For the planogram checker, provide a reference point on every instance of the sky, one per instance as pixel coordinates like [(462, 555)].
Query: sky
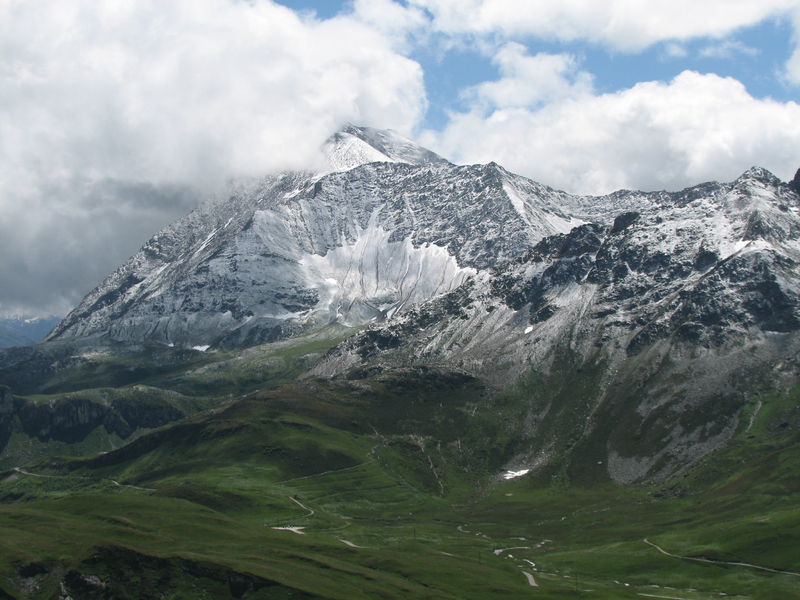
[(119, 116)]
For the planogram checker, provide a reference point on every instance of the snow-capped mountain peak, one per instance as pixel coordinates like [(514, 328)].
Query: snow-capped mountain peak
[(355, 146), (400, 227), (664, 300)]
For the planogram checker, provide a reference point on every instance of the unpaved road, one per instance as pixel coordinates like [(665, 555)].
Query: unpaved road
[(303, 506), (18, 470), (531, 580), (133, 487), (114, 481), (499, 551), (720, 562)]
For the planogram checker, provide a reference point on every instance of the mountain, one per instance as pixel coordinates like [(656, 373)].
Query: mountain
[(10, 337), (642, 340), (642, 322), (397, 377), (286, 254), (289, 253), (355, 146)]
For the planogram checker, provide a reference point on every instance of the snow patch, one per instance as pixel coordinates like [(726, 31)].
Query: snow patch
[(560, 224), (499, 551), (348, 152), (744, 246), (517, 202), (536, 217), (375, 277), (281, 316), (515, 474), (297, 530), (206, 242)]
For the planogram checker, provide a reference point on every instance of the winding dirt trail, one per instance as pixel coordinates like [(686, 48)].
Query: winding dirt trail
[(303, 506), (133, 487), (342, 470), (720, 562), (531, 580), (23, 472), (114, 481)]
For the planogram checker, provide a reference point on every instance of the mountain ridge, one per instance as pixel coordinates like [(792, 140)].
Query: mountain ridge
[(294, 219), (291, 220), (20, 331), (477, 270)]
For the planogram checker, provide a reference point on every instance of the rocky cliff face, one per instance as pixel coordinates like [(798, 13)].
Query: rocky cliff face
[(72, 418), (645, 335), (703, 267)]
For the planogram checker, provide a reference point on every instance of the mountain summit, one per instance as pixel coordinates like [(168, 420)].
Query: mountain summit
[(354, 146), (395, 225), (399, 225)]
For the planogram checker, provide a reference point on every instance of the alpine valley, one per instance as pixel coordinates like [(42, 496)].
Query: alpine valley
[(396, 377)]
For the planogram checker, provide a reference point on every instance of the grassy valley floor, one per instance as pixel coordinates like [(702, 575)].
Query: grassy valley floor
[(341, 490)]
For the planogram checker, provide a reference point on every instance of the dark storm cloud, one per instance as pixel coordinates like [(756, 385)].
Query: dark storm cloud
[(179, 93), (51, 259)]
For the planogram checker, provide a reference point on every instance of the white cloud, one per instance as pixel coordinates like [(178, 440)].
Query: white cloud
[(110, 108), (792, 71), (652, 136), (172, 89), (727, 49), (627, 25), (793, 68), (395, 21), (528, 80), (675, 50), (180, 92)]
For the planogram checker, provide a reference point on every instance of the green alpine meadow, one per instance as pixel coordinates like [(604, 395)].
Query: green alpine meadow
[(381, 483)]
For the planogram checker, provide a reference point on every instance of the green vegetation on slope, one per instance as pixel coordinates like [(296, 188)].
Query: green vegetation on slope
[(384, 484), (62, 367), (390, 481), (151, 387)]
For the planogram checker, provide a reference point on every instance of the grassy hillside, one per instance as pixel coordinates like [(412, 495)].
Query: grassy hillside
[(69, 400), (386, 486), (60, 367)]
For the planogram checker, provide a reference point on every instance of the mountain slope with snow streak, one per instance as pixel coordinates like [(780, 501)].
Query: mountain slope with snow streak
[(639, 342), (300, 250), (635, 327)]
